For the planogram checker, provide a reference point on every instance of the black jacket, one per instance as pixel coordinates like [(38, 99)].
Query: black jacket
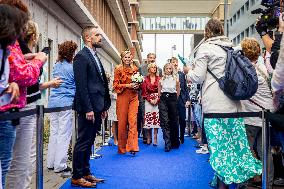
[(92, 93)]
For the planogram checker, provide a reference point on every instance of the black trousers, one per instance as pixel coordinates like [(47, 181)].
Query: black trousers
[(181, 119), (168, 119), (83, 146)]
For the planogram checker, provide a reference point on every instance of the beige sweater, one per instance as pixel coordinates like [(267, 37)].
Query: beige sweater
[(214, 57)]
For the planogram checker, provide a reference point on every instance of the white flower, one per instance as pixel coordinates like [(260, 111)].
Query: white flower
[(137, 78)]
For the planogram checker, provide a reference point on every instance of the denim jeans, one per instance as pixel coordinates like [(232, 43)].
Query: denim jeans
[(7, 139)]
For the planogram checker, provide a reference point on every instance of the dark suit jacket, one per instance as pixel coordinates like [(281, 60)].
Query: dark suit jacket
[(184, 94), (92, 93)]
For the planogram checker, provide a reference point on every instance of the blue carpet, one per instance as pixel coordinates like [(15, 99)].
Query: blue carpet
[(152, 168)]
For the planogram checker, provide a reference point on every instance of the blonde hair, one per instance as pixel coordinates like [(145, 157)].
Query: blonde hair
[(122, 54), (164, 69), (31, 30), (149, 54), (153, 65), (173, 58), (251, 48)]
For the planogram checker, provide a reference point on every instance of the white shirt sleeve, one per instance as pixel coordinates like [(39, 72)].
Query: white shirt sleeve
[(277, 81)]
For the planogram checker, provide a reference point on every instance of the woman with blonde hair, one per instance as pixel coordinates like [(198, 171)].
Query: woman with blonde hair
[(169, 90), (150, 94), (126, 104)]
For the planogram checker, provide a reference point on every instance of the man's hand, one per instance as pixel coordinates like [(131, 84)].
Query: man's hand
[(90, 116), (13, 89), (104, 114), (281, 23), (186, 69)]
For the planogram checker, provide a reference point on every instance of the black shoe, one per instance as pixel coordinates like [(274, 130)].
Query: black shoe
[(51, 169)]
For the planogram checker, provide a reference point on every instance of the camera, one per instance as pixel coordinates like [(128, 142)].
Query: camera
[(269, 15)]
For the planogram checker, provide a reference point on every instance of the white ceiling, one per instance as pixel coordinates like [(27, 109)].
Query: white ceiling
[(178, 7)]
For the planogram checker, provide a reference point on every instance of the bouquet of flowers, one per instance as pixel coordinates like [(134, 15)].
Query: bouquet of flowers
[(137, 78)]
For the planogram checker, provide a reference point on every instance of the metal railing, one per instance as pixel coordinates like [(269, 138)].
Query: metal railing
[(39, 111)]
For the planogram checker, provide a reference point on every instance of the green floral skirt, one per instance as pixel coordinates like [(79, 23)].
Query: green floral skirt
[(230, 155)]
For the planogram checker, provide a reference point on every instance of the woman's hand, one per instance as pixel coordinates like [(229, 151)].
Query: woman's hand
[(56, 82), (133, 86), (41, 56), (30, 56), (13, 89)]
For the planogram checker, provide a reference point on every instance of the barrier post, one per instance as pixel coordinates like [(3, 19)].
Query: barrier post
[(265, 150), (104, 133), (39, 146)]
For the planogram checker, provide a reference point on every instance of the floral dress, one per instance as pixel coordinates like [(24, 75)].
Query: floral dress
[(230, 155), (150, 92)]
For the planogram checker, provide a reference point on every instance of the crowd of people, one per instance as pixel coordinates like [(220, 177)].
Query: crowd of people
[(163, 99)]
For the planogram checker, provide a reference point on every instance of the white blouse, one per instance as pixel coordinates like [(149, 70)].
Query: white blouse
[(169, 85)]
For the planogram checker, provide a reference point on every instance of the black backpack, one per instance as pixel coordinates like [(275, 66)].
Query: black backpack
[(240, 81)]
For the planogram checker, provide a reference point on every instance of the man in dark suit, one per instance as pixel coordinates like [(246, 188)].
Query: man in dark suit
[(92, 101), (183, 99)]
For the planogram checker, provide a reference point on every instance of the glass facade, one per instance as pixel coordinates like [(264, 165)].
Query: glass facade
[(174, 23)]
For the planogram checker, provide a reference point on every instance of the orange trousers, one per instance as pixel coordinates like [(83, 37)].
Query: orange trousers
[(126, 111)]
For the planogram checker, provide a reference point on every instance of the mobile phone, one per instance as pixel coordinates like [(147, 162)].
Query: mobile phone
[(46, 50), (5, 99)]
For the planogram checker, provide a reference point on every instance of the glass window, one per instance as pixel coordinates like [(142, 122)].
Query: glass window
[(178, 23), (242, 35), (252, 30), (242, 10), (198, 24), (238, 39), (234, 18), (247, 32), (238, 15), (163, 23), (247, 5), (168, 23)]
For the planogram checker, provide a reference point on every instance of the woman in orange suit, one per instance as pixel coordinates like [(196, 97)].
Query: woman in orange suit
[(126, 104)]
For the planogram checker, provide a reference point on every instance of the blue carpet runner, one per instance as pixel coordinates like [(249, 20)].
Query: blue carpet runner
[(152, 168)]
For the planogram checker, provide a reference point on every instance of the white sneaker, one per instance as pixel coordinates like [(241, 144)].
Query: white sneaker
[(202, 150)]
